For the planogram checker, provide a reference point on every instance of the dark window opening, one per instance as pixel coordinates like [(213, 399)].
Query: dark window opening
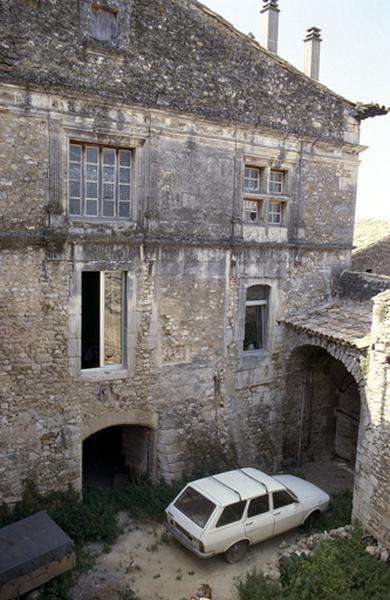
[(103, 24), (231, 513), (102, 300), (368, 270), (90, 320)]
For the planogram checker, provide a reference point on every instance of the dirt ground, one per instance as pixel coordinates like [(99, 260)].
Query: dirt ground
[(149, 561)]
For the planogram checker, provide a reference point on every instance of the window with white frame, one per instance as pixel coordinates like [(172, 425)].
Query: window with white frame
[(252, 179), (102, 318), (276, 182), (275, 213), (99, 181), (256, 310)]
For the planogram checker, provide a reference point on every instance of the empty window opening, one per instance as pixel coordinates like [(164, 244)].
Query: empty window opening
[(116, 455), (102, 322), (256, 317), (103, 24)]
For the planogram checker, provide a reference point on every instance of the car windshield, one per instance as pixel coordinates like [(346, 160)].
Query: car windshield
[(195, 506)]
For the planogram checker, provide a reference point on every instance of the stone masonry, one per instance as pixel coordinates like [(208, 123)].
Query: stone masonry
[(195, 103)]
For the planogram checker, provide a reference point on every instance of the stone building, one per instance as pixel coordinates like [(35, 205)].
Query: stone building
[(173, 197), (372, 246)]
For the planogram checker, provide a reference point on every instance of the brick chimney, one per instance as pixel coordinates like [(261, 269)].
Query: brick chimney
[(312, 53), (270, 25)]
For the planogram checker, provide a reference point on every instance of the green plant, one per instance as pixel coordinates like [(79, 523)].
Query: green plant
[(337, 515), (255, 587), (364, 365)]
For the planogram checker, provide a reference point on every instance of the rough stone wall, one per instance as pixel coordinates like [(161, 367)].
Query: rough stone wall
[(374, 258), (360, 286), (372, 483), (169, 53)]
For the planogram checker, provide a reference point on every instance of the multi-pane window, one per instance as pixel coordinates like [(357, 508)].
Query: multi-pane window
[(251, 211), (275, 211), (103, 24), (99, 181), (255, 317), (102, 318), (252, 178), (276, 182)]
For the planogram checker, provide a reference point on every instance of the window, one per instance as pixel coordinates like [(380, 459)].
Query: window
[(195, 506), (103, 24), (255, 317), (276, 181), (252, 180), (102, 318), (231, 513), (282, 499), (258, 506), (251, 211), (99, 181), (275, 211)]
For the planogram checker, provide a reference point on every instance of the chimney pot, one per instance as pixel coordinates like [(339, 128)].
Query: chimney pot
[(312, 53), (270, 25)]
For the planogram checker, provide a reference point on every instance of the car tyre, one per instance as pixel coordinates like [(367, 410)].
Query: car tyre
[(236, 552), (311, 520)]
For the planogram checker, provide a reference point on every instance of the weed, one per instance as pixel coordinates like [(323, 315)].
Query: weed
[(256, 587), (338, 513)]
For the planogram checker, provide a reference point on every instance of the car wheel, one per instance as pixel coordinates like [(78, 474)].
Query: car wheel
[(310, 521), (236, 552)]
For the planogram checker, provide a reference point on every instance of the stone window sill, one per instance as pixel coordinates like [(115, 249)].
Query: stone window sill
[(103, 373)]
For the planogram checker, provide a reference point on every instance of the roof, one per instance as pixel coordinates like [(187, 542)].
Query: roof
[(369, 232), (29, 544), (344, 322), (236, 485)]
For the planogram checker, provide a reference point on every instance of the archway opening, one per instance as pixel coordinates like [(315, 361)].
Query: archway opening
[(117, 454), (321, 411)]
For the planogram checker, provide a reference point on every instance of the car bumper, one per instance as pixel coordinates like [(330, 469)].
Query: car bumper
[(186, 542)]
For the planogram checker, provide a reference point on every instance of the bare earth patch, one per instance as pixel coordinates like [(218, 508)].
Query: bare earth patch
[(156, 567)]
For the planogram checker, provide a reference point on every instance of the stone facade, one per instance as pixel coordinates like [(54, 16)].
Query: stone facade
[(195, 102), (372, 482), (372, 246)]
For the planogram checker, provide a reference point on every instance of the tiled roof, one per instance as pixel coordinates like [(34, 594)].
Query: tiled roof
[(343, 322), (370, 231)]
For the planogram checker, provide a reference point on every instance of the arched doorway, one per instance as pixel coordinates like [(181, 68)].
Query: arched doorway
[(321, 409), (117, 454)]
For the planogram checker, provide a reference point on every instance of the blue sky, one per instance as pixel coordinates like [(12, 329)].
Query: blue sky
[(355, 62)]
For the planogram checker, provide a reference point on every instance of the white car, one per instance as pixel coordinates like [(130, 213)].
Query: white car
[(227, 512)]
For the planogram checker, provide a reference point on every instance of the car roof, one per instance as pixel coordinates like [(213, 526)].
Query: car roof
[(239, 484)]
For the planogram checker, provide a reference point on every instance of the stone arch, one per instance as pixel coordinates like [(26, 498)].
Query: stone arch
[(109, 418), (118, 446), (342, 363)]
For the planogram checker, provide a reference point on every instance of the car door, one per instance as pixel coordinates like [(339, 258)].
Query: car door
[(259, 522), (287, 511), (226, 528)]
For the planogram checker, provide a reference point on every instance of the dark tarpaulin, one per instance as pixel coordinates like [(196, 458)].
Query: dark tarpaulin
[(29, 544)]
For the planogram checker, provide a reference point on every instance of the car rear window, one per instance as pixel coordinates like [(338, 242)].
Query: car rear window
[(195, 506)]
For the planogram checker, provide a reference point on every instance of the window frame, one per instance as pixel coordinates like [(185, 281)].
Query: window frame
[(272, 182), (84, 199), (123, 325), (264, 306), (95, 9), (271, 192)]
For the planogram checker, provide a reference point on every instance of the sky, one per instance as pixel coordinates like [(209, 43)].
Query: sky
[(355, 63)]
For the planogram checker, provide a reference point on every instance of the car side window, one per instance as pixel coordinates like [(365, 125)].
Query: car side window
[(282, 498), (258, 506), (231, 513)]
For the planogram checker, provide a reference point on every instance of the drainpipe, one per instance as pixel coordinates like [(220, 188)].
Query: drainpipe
[(301, 419)]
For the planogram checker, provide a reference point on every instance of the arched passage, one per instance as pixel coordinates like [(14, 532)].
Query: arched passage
[(321, 410), (117, 454)]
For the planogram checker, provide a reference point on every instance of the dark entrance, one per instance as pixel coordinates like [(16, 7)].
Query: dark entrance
[(116, 454), (322, 409)]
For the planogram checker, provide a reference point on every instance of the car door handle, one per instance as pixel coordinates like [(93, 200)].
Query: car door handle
[(249, 523), (277, 513)]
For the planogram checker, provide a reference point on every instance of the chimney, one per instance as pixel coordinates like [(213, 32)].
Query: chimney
[(270, 25), (312, 53)]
